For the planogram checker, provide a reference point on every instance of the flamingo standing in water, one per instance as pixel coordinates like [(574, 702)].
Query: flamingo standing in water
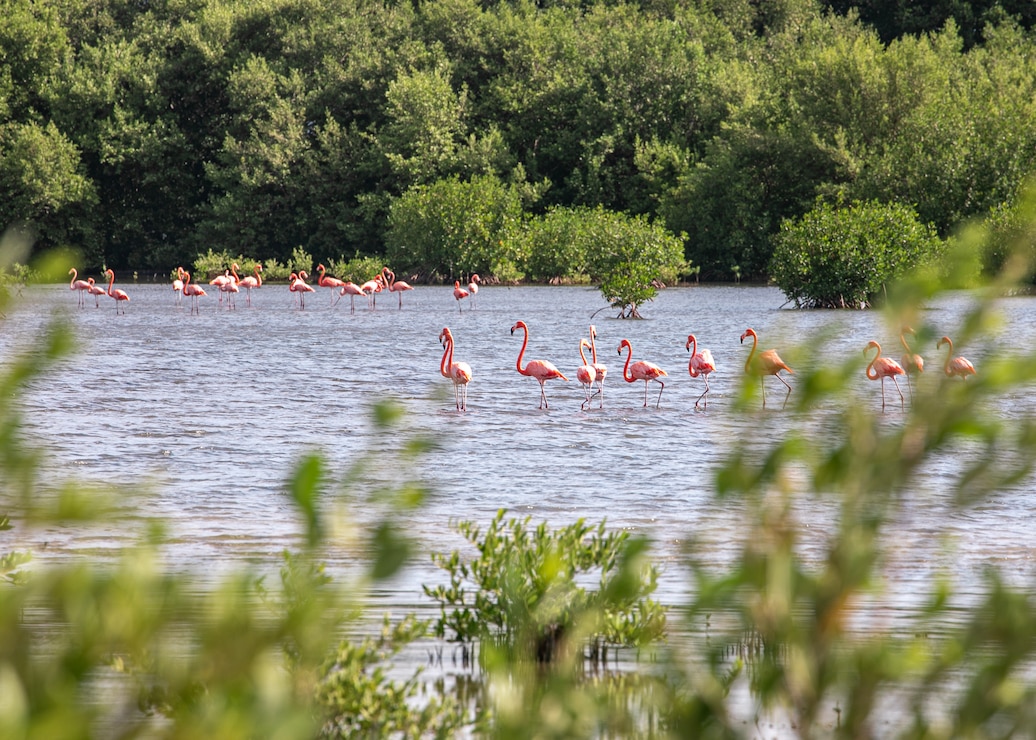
[(178, 286), (329, 282), (395, 286), (542, 370), (78, 285), (192, 291), (473, 288), (955, 366), (299, 286), (458, 372), (352, 290), (249, 282), (586, 374), (883, 367), (912, 363), (701, 363), (219, 281), (95, 290), (230, 287), (642, 370), (602, 370), (371, 288), (767, 363), (119, 295), (459, 294)]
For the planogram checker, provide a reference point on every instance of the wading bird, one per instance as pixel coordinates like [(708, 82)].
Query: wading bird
[(701, 363), (602, 370), (642, 370), (912, 363), (250, 282), (395, 286), (768, 362), (78, 285), (458, 372), (955, 366), (542, 370), (178, 286), (459, 294), (119, 295), (95, 290), (881, 368), (586, 374), (329, 282), (192, 291), (300, 287), (473, 288)]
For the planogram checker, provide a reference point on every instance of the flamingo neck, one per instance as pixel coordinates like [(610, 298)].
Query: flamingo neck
[(871, 373), (748, 362), (258, 280), (949, 356), (447, 357), (593, 347), (75, 274), (694, 346), (521, 352), (626, 368), (111, 281), (581, 355)]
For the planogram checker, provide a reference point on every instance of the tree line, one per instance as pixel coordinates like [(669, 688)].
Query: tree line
[(146, 134)]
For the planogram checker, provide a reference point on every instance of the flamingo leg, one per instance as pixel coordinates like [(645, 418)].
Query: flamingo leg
[(788, 394), (659, 399), (543, 397), (704, 394), (600, 392), (902, 403)]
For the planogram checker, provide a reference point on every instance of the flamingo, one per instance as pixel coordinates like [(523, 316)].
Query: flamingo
[(912, 363), (78, 285), (193, 291), (95, 290), (219, 281), (459, 293), (958, 366), (230, 287), (119, 295), (396, 286), (352, 290), (542, 370), (301, 287), (458, 372), (178, 286), (250, 282), (370, 289), (767, 363), (586, 373), (883, 367), (473, 288), (602, 370), (329, 282), (701, 363), (642, 370)]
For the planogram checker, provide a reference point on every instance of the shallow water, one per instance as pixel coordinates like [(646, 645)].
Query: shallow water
[(204, 416)]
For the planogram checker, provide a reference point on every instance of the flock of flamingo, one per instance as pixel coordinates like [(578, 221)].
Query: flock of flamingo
[(701, 364), (229, 284), (589, 374)]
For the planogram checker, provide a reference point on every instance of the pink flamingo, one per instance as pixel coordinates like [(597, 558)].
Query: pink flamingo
[(95, 290), (701, 363), (301, 287), (371, 288), (459, 294), (473, 288), (642, 370), (912, 363), (250, 282), (192, 291), (119, 295), (219, 281), (78, 285), (230, 287), (178, 286), (542, 370), (767, 363), (352, 290), (329, 282), (458, 372), (395, 286), (586, 374), (602, 370), (955, 366), (883, 367)]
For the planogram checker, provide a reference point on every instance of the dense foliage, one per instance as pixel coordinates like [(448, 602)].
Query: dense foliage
[(145, 134), (846, 257)]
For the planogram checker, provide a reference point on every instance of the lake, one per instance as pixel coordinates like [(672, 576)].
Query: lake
[(204, 416)]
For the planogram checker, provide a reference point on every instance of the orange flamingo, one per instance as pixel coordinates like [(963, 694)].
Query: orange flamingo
[(299, 286), (542, 370), (78, 285), (459, 294), (95, 290), (586, 374), (119, 295), (458, 372), (371, 288), (473, 288), (178, 286), (642, 370), (192, 291), (602, 370), (912, 363), (767, 363), (252, 281), (395, 286), (955, 366), (701, 363), (329, 282), (883, 367), (352, 290)]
